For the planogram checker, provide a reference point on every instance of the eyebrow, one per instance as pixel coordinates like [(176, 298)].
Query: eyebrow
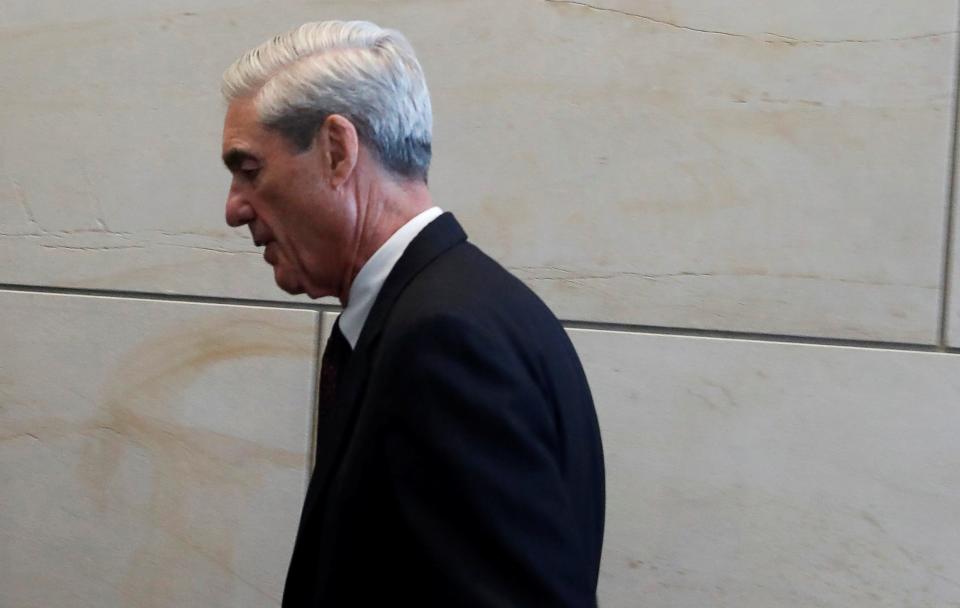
[(235, 156)]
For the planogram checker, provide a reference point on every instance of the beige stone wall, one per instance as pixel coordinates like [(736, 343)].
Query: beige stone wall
[(739, 208)]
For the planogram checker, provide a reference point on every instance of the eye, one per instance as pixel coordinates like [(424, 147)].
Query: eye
[(249, 169)]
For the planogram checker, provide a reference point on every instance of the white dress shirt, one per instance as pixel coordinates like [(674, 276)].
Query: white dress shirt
[(366, 286)]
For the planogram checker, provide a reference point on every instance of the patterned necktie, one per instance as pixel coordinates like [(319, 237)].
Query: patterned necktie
[(335, 357)]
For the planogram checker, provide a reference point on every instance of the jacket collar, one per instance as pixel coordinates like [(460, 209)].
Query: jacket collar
[(437, 237)]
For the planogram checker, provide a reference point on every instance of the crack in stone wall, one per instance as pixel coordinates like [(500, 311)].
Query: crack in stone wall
[(774, 38), (142, 239), (101, 216), (573, 276), (147, 245), (93, 248), (21, 197)]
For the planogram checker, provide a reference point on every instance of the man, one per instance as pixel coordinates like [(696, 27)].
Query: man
[(458, 455)]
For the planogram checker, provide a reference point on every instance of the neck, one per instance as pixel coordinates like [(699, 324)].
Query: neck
[(383, 207)]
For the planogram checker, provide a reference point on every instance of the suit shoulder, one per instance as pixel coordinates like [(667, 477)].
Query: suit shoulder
[(465, 280), (465, 288)]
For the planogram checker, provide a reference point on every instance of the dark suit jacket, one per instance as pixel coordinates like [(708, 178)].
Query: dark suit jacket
[(461, 464)]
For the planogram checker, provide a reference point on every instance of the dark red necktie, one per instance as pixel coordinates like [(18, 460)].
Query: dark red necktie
[(335, 357)]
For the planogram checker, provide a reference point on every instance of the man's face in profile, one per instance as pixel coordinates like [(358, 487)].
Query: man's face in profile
[(281, 194)]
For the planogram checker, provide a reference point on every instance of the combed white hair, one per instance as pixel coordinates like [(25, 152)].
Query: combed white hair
[(366, 73)]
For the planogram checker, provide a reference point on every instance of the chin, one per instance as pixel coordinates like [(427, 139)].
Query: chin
[(286, 283), (315, 294)]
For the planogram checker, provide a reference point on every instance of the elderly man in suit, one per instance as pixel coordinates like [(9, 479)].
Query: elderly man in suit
[(458, 456)]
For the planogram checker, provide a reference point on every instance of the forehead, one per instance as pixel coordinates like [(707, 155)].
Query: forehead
[(241, 126)]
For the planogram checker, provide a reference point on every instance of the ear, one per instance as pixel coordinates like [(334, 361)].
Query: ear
[(341, 148)]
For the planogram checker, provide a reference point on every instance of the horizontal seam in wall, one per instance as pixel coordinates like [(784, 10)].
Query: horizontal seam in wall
[(567, 323), (755, 336)]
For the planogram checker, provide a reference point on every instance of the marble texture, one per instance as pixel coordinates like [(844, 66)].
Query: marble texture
[(649, 172), (754, 474), (151, 453), (763, 166)]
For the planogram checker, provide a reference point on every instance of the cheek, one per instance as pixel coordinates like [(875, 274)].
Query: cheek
[(271, 215), (284, 200), (267, 198)]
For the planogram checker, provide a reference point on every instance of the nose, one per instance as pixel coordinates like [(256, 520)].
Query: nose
[(239, 211)]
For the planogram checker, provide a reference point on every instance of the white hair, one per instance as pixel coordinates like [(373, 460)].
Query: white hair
[(356, 69)]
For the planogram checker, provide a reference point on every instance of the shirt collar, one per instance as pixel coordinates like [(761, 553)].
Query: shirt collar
[(366, 286)]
